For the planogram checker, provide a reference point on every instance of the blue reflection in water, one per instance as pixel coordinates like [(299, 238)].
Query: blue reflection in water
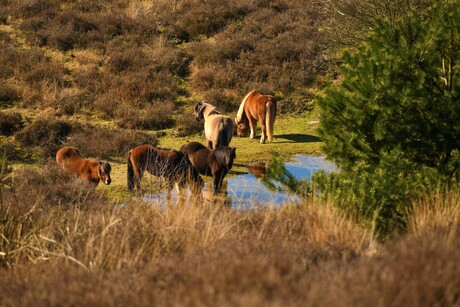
[(247, 190)]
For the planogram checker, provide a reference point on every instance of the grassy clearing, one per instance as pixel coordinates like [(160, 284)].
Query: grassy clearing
[(293, 135)]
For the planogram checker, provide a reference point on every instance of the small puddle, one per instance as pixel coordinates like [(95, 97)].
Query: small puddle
[(246, 190)]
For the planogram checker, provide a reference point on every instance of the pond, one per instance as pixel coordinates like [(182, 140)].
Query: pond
[(245, 190)]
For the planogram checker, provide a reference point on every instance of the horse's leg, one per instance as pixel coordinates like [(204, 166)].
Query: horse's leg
[(217, 179), (263, 127), (252, 126), (209, 144), (222, 176), (138, 173)]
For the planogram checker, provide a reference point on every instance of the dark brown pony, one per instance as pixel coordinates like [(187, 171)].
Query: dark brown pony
[(69, 159), (216, 162), (256, 107), (172, 165)]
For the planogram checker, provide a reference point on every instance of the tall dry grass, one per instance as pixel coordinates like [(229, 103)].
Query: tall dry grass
[(78, 248)]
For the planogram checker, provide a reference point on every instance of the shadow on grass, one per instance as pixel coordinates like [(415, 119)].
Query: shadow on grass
[(297, 138)]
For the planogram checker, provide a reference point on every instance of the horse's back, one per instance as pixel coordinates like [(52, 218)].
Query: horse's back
[(69, 158), (219, 129), (192, 147), (258, 103), (66, 153)]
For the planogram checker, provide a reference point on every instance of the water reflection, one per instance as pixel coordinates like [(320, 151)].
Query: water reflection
[(245, 190)]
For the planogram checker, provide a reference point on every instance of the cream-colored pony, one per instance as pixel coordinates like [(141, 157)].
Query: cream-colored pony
[(218, 128)]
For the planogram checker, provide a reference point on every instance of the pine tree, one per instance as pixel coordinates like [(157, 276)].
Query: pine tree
[(399, 95)]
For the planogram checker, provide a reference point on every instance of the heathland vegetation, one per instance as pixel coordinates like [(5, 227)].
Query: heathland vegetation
[(380, 79)]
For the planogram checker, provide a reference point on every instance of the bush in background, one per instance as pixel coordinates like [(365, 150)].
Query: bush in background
[(10, 122), (104, 143), (47, 133)]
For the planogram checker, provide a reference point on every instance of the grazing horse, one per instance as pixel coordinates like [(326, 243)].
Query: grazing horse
[(69, 159), (172, 165), (218, 128), (256, 107), (216, 162)]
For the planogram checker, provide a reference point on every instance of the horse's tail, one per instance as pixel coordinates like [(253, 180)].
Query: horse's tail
[(270, 118), (224, 132), (130, 173), (221, 139)]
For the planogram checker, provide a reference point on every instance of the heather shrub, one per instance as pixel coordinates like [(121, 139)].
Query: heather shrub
[(224, 101), (47, 133), (13, 151), (10, 59), (72, 100), (156, 116), (8, 95), (47, 72), (192, 19), (53, 187), (10, 122), (186, 124), (270, 49), (105, 143)]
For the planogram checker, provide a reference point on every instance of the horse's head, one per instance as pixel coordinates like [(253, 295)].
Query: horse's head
[(241, 128), (199, 109), (104, 172)]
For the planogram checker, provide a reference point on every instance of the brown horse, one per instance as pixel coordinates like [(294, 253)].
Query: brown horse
[(218, 128), (172, 165), (216, 162), (71, 161), (256, 107)]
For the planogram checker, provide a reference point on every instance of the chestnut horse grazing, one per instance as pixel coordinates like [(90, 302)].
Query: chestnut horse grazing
[(69, 159), (256, 107), (216, 162), (218, 128), (172, 165)]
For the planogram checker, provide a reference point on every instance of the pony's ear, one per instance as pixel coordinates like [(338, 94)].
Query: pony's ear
[(199, 109), (198, 106)]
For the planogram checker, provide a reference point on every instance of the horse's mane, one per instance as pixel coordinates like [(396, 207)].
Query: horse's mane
[(224, 156), (239, 115), (212, 109)]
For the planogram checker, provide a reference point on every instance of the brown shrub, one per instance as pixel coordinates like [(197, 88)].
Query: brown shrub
[(156, 116), (48, 133), (8, 94), (72, 100), (186, 124), (193, 18), (104, 143), (52, 187), (10, 122), (124, 59), (274, 48), (47, 73)]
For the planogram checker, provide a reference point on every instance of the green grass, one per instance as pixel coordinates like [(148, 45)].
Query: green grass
[(293, 135)]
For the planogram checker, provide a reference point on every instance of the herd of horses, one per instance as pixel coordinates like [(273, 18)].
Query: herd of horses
[(184, 167)]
